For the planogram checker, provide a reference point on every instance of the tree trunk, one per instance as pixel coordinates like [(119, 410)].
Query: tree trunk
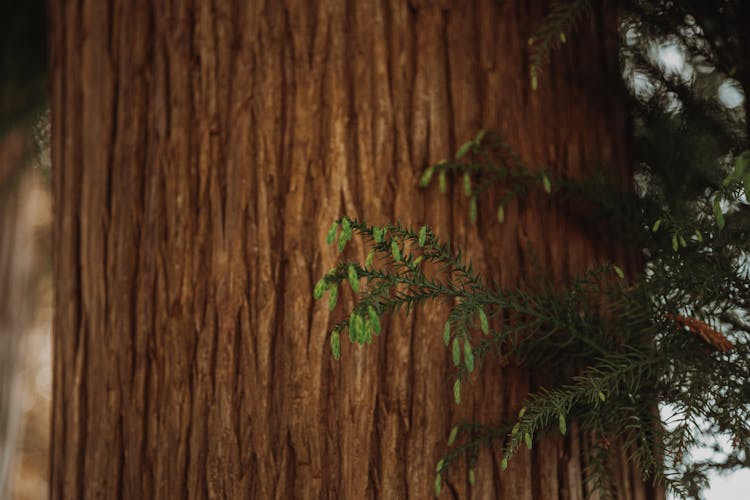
[(202, 149)]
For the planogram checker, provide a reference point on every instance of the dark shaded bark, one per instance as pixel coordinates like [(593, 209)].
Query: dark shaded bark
[(201, 151)]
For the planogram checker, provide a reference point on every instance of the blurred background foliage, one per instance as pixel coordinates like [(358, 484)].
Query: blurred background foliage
[(25, 257), (23, 63)]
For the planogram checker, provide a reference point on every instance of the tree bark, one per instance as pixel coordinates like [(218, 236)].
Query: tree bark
[(200, 152)]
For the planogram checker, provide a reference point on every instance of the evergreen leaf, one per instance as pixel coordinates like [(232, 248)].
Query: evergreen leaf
[(456, 352), (424, 181), (353, 278), (335, 345), (468, 357), (452, 436), (465, 148)]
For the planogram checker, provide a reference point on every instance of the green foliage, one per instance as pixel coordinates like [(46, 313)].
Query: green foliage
[(677, 336), (620, 346), (563, 18), (483, 163)]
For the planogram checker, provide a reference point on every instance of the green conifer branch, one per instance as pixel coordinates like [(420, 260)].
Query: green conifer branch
[(677, 336), (559, 24)]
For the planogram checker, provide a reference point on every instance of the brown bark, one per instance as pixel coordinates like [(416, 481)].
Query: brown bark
[(202, 149)]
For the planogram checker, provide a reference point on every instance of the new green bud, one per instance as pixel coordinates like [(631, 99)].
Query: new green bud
[(456, 352), (484, 324), (332, 297), (422, 239), (335, 345), (547, 184), (395, 250), (320, 288), (468, 357), (353, 278), (331, 236), (618, 271), (453, 435), (426, 176), (465, 148)]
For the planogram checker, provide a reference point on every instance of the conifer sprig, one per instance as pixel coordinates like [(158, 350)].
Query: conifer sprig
[(676, 336), (557, 26), (624, 348), (484, 163)]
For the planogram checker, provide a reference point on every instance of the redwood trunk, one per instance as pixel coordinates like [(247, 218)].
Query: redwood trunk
[(201, 151)]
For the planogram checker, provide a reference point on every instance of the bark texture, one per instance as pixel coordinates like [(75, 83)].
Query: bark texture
[(201, 151)]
